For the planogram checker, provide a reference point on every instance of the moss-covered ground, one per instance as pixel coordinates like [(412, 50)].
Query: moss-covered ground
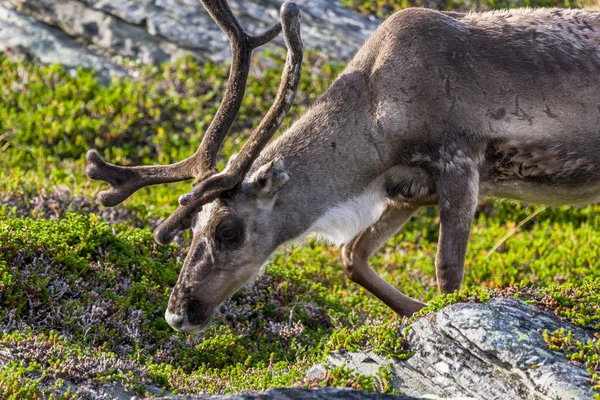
[(83, 289)]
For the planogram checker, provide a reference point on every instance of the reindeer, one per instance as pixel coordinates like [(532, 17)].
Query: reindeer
[(435, 109)]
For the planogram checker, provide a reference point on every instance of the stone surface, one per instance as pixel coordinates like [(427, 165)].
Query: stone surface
[(154, 31), (21, 36), (482, 351), (107, 32)]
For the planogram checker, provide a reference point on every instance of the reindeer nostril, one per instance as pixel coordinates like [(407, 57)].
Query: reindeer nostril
[(196, 312), (174, 320)]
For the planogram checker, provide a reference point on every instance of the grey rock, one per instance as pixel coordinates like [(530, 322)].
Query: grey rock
[(316, 372), (482, 351), (21, 36), (103, 30), (296, 394), (154, 31), (108, 391)]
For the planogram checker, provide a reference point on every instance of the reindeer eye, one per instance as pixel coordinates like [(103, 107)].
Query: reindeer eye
[(229, 234)]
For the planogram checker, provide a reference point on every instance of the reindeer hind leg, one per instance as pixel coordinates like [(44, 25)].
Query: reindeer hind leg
[(356, 253)]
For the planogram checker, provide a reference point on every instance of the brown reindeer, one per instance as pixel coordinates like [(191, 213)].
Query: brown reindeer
[(436, 108)]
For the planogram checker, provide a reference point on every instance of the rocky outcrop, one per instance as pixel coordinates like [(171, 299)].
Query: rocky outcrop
[(481, 351), (23, 37), (154, 31)]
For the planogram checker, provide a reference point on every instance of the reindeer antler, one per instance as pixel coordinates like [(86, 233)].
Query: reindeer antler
[(211, 188), (290, 16), (125, 181)]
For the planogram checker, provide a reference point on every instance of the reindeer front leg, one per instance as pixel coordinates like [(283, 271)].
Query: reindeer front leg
[(356, 253), (458, 189)]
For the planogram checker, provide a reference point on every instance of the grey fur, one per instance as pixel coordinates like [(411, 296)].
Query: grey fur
[(435, 108)]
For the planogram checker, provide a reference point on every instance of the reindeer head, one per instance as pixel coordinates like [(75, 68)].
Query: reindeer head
[(227, 213)]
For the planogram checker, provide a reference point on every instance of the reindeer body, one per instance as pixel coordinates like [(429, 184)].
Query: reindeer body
[(443, 109), (435, 109), (432, 95)]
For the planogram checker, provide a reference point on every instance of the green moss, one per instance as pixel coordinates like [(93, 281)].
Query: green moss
[(157, 117), (346, 377), (474, 294), (267, 335), (49, 120), (578, 302), (42, 362)]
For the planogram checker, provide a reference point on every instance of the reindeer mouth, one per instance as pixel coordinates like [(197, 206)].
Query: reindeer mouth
[(196, 330), (183, 324)]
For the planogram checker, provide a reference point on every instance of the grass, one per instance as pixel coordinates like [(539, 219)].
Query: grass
[(83, 289)]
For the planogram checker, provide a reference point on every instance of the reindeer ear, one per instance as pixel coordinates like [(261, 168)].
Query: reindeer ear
[(269, 179)]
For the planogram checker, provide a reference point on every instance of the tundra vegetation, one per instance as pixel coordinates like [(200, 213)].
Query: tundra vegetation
[(83, 289)]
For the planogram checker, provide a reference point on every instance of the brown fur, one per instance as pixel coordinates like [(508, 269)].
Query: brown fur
[(435, 108)]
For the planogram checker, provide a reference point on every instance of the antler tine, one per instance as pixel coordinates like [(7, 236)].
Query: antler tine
[(290, 16), (124, 181), (242, 45), (221, 13), (211, 188)]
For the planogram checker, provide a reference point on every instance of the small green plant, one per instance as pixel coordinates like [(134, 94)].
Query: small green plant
[(586, 354)]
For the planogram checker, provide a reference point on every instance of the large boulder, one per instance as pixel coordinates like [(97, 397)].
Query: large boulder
[(21, 36), (154, 31)]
